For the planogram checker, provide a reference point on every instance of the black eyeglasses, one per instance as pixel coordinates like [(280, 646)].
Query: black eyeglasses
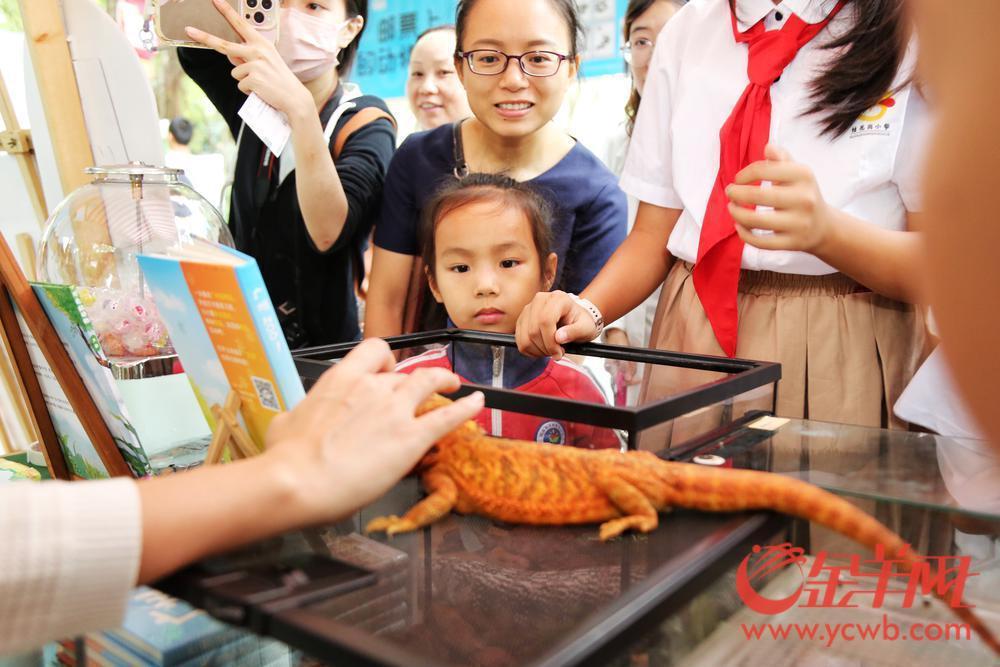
[(489, 62)]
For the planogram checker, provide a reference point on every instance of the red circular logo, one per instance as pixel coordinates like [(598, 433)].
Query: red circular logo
[(771, 559)]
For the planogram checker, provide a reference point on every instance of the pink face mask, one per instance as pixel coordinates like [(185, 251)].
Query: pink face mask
[(308, 45)]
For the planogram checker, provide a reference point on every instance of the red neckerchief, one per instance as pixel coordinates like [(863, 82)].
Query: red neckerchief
[(743, 138)]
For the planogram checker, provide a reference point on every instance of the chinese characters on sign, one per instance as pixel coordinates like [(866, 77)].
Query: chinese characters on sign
[(870, 580)]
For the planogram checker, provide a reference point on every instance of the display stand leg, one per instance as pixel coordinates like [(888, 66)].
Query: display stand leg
[(229, 434)]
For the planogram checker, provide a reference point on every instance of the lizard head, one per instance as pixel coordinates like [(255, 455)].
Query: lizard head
[(433, 402), (466, 433)]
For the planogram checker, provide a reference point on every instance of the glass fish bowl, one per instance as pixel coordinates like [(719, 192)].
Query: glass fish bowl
[(92, 240)]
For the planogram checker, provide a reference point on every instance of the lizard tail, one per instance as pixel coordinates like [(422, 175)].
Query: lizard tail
[(727, 490)]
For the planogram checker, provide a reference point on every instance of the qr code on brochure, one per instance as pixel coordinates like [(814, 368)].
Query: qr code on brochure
[(266, 394)]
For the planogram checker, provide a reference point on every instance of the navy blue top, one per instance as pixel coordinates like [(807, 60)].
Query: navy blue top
[(590, 210)]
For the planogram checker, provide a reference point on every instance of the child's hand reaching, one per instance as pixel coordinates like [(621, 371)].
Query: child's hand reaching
[(551, 320)]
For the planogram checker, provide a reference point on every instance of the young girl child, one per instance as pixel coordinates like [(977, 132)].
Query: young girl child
[(306, 215), (487, 252), (516, 61), (815, 268)]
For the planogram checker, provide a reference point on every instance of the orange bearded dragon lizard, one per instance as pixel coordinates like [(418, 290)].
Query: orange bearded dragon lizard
[(531, 483)]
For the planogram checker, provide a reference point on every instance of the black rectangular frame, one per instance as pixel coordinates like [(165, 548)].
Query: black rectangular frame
[(608, 631), (745, 375)]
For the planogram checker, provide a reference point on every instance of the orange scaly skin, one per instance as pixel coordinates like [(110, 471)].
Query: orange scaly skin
[(532, 483)]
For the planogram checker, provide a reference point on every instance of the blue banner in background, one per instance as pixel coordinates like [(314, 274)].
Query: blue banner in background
[(393, 25), (602, 24)]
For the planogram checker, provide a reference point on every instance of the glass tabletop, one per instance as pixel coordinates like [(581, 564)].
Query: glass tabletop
[(920, 469), (468, 590)]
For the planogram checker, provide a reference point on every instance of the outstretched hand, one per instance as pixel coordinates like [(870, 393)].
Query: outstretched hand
[(351, 438), (257, 65), (355, 434)]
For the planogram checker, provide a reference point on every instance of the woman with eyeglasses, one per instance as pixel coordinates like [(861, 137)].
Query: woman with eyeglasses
[(516, 61), (644, 19), (776, 158)]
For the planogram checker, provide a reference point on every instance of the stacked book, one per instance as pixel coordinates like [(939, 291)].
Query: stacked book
[(166, 632)]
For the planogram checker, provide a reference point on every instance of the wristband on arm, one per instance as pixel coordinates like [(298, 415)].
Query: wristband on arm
[(587, 305)]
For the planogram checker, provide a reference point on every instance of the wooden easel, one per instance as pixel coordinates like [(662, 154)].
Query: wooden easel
[(45, 36), (14, 289), (229, 434), (17, 142)]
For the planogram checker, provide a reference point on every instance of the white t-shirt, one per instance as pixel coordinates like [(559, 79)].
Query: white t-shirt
[(697, 75)]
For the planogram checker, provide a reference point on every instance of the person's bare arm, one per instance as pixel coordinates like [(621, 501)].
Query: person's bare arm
[(320, 193), (885, 261), (636, 269), (387, 291), (959, 52), (350, 440)]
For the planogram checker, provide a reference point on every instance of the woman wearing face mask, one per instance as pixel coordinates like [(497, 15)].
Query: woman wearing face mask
[(516, 61), (433, 89), (643, 21), (304, 216)]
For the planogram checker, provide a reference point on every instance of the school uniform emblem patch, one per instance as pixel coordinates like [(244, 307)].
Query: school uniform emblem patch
[(551, 433), (874, 121)]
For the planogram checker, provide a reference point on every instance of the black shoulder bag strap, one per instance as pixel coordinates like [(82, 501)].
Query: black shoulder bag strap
[(461, 169)]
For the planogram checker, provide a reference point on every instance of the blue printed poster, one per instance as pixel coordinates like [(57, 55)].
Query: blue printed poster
[(393, 26)]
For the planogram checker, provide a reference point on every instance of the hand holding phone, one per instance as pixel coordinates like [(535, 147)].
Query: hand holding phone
[(172, 17), (259, 68)]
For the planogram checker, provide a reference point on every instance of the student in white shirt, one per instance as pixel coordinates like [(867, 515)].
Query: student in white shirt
[(824, 280), (72, 551)]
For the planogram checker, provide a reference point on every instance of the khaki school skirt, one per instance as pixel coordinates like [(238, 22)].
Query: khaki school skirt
[(846, 353)]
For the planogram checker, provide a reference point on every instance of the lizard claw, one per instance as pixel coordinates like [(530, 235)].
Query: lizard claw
[(615, 527), (390, 525)]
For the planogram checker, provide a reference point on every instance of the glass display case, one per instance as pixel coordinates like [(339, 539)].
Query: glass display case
[(468, 591), (574, 400)]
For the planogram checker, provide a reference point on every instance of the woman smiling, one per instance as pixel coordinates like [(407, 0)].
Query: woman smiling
[(433, 88), (516, 61)]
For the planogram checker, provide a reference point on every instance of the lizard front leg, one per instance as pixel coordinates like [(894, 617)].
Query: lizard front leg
[(441, 500), (637, 511)]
